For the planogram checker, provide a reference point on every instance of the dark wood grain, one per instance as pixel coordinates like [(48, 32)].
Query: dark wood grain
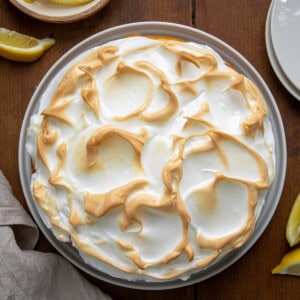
[(240, 23)]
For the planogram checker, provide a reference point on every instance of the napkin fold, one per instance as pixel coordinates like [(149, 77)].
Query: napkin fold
[(28, 274)]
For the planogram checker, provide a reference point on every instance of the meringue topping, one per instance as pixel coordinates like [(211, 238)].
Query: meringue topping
[(151, 157)]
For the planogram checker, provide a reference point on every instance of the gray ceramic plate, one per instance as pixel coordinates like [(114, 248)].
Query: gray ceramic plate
[(229, 55)]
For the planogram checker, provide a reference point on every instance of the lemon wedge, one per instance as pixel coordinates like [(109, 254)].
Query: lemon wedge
[(290, 264), (20, 47), (293, 225)]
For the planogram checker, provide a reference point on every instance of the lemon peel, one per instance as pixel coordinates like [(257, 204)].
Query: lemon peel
[(20, 47), (290, 264), (293, 224)]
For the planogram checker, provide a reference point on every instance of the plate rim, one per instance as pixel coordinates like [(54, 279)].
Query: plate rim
[(280, 144), (273, 22), (273, 59)]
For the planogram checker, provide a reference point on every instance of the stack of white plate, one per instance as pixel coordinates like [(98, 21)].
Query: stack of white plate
[(283, 43)]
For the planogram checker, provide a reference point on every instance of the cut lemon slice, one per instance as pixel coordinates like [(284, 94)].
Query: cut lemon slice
[(293, 225), (20, 47), (290, 264), (71, 2)]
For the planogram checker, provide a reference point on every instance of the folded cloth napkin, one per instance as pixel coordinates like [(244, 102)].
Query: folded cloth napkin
[(28, 274)]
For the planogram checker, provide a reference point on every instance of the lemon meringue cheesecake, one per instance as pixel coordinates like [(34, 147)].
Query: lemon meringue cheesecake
[(152, 157)]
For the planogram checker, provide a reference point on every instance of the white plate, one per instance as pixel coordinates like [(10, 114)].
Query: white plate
[(233, 58), (56, 13), (273, 60), (285, 33)]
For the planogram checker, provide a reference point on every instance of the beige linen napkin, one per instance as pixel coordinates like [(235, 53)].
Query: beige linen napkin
[(28, 274)]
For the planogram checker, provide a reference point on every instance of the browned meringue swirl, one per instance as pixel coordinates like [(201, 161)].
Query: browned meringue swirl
[(86, 208)]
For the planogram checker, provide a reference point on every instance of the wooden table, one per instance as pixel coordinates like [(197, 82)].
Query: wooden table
[(240, 23)]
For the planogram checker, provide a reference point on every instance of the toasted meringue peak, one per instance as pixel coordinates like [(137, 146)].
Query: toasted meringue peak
[(151, 157)]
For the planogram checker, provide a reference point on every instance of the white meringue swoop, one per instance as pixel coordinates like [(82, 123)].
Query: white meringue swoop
[(151, 156)]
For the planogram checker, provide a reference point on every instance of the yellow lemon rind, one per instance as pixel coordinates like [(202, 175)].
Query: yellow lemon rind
[(26, 54), (293, 225), (290, 264)]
